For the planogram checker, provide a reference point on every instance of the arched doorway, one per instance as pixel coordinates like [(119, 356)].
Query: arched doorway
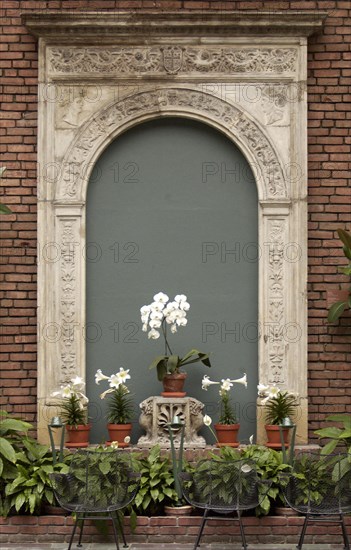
[(172, 206)]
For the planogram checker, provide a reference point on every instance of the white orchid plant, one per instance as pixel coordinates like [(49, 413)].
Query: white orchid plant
[(227, 413), (279, 404), (74, 402), (120, 405), (156, 317)]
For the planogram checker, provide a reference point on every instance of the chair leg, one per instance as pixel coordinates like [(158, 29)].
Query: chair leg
[(120, 524), (115, 530), (344, 533), (204, 519), (302, 536), (72, 535), (242, 531), (81, 530)]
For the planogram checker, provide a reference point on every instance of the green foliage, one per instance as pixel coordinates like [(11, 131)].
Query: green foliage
[(279, 407), (169, 364), (31, 486), (156, 483), (270, 467), (338, 436), (11, 434), (120, 406), (72, 411), (227, 415), (337, 309), (313, 480)]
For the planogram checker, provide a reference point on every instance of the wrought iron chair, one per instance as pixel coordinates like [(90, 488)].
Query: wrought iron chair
[(223, 487), (319, 487), (99, 483)]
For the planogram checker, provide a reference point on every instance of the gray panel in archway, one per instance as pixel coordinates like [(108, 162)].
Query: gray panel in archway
[(172, 206)]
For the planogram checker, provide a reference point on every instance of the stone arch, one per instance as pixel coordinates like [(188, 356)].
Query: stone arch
[(111, 121)]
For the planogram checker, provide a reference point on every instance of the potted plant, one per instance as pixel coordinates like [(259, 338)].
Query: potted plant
[(344, 296), (120, 406), (155, 318), (279, 407), (227, 427), (74, 412)]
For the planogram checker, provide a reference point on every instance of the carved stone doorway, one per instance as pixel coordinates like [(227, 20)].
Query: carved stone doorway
[(243, 73)]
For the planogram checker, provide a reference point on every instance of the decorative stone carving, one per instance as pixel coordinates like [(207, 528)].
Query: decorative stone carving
[(267, 167), (157, 412), (67, 299), (171, 59), (276, 308)]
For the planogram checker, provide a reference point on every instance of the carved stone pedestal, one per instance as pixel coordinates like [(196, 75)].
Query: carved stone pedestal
[(158, 411)]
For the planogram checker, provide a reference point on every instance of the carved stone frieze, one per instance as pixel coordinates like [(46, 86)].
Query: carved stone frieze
[(67, 299), (78, 159), (276, 306), (171, 59)]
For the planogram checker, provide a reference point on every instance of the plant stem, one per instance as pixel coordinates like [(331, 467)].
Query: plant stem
[(164, 330)]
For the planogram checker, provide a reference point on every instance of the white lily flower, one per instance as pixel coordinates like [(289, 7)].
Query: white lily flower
[(226, 384), (262, 388), (66, 392), (103, 395), (115, 380), (207, 420), (242, 380), (273, 391), (251, 438), (153, 334), (161, 297), (123, 375), (77, 382), (99, 376), (206, 382)]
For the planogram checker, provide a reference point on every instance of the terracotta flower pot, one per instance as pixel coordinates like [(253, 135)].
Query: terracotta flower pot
[(78, 436), (273, 436), (118, 432), (173, 385), (227, 435), (184, 510)]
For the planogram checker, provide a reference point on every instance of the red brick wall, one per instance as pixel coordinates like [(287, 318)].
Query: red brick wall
[(266, 530), (329, 59)]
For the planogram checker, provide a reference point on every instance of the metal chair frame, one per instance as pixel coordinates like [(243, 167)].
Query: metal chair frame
[(76, 492), (242, 479), (336, 485)]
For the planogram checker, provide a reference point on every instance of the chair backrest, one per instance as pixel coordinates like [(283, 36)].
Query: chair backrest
[(223, 485), (99, 479), (320, 484)]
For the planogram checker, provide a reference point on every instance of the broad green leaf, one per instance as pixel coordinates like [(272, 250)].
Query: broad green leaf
[(20, 500), (6, 450), (14, 425), (329, 447), (4, 209), (336, 311)]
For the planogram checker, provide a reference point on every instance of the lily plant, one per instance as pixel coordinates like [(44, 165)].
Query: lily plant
[(74, 402), (156, 318), (120, 405), (227, 413), (279, 404)]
